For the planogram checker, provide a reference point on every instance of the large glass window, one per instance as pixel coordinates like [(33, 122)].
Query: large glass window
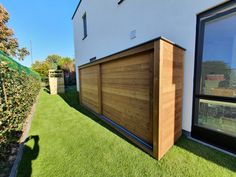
[(214, 117), (218, 76)]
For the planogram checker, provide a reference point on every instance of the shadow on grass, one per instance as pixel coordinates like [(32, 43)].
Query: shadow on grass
[(208, 153), (46, 89), (30, 154), (71, 97), (8, 151)]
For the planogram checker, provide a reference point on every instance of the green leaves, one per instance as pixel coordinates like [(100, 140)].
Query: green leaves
[(8, 43), (18, 91)]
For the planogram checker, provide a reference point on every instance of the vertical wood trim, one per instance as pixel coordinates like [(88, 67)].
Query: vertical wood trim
[(151, 83), (99, 77), (155, 97), (160, 67), (80, 87)]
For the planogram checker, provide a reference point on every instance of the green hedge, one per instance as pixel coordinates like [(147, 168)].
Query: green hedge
[(19, 87)]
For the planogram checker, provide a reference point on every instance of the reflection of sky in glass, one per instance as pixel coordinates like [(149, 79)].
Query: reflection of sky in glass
[(220, 40)]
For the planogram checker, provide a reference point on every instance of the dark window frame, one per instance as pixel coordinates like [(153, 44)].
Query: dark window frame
[(120, 1), (210, 136), (84, 17)]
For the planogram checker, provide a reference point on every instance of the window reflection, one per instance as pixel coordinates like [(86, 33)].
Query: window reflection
[(219, 57), (218, 116), (218, 79)]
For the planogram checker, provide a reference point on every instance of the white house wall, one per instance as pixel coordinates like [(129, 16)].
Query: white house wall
[(110, 25)]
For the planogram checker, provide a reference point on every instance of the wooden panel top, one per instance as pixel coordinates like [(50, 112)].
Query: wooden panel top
[(146, 46)]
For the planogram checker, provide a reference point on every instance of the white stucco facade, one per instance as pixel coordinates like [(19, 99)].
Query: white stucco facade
[(110, 26)]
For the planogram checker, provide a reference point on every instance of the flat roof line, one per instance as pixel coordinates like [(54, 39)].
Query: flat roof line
[(76, 9)]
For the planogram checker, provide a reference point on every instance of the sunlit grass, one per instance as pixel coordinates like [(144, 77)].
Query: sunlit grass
[(73, 142)]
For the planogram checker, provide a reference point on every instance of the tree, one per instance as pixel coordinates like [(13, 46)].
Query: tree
[(52, 61), (41, 67), (56, 62), (218, 67), (9, 44), (67, 64)]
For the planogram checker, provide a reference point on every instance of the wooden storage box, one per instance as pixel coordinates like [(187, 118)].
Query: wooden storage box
[(139, 92), (56, 82)]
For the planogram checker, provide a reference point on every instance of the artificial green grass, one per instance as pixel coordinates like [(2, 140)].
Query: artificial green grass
[(73, 142)]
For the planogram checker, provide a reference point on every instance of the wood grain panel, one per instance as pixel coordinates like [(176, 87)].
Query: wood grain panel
[(170, 96), (140, 89), (89, 87), (126, 93)]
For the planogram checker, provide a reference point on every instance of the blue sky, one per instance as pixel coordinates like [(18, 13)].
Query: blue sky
[(46, 22)]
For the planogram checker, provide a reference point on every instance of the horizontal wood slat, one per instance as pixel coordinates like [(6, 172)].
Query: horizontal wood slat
[(126, 93), (140, 90), (89, 87)]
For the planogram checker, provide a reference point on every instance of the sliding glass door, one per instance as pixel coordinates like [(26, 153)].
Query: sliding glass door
[(214, 117)]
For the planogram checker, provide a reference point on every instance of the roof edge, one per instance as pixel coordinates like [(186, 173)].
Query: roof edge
[(76, 9)]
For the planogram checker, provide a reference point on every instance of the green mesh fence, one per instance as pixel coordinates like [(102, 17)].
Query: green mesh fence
[(16, 66)]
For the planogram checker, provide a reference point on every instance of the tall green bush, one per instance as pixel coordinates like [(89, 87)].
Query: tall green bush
[(19, 87)]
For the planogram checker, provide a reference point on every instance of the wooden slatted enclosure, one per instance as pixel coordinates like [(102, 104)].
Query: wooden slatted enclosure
[(89, 91), (138, 92)]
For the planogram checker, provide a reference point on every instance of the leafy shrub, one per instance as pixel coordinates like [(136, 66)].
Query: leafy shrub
[(19, 87)]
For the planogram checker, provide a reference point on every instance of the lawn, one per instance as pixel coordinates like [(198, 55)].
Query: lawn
[(69, 141)]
